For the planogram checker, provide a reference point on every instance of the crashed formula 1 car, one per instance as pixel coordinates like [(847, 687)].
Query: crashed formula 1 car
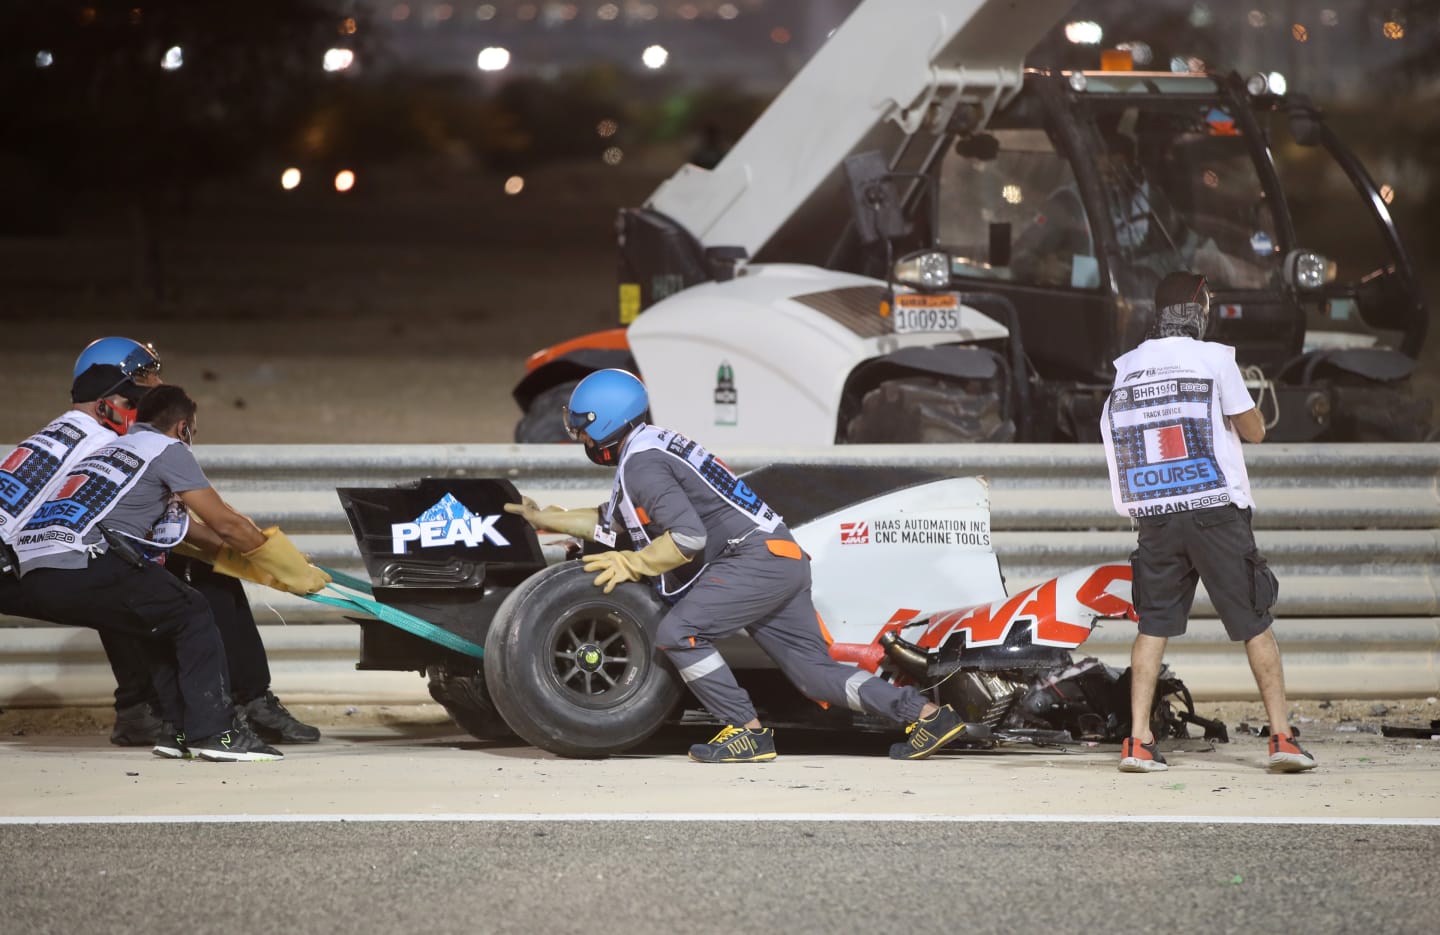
[(905, 580)]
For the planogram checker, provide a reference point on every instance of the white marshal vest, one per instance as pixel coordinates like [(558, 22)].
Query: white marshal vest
[(39, 463), (711, 471), (91, 490)]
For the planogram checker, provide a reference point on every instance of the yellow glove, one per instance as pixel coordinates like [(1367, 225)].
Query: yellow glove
[(227, 561), (230, 562), (578, 523), (191, 550), (290, 568), (656, 558)]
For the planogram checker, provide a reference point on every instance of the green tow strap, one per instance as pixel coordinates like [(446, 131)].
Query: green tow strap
[(387, 614), (348, 581)]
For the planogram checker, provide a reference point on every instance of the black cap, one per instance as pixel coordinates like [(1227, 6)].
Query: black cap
[(1179, 289), (102, 380)]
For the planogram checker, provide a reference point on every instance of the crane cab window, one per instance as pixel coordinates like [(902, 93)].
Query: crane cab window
[(1017, 195), (1183, 193)]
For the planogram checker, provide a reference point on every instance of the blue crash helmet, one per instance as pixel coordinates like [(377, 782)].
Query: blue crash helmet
[(603, 409), (132, 357)]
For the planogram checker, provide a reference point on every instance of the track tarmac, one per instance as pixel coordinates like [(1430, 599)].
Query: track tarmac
[(385, 830)]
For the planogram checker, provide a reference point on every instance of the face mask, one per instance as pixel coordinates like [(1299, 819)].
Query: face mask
[(116, 418), (187, 434)]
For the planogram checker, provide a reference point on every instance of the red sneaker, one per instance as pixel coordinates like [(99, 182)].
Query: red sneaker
[(1137, 757), (1287, 756)]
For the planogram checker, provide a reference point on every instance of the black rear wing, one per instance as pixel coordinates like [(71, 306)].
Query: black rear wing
[(441, 533), (443, 550)]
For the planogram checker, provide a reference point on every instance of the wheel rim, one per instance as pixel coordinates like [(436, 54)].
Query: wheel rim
[(597, 656)]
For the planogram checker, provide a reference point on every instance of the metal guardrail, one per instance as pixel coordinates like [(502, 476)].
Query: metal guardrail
[(1352, 532), (1035, 487)]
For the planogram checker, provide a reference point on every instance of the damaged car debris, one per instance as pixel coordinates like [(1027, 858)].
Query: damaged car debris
[(1419, 733), (1040, 695)]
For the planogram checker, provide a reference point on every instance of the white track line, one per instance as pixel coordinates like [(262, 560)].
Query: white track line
[(702, 817)]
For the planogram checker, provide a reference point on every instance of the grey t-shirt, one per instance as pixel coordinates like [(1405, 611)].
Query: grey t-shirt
[(174, 470)]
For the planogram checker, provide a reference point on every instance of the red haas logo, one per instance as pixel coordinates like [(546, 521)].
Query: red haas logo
[(854, 533)]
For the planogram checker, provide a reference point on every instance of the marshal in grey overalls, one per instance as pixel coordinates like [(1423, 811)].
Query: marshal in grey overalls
[(748, 574)]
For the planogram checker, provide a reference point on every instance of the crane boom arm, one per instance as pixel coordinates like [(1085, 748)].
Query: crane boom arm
[(906, 61)]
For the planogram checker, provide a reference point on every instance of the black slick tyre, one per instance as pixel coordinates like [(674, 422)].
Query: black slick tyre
[(465, 698), (575, 671)]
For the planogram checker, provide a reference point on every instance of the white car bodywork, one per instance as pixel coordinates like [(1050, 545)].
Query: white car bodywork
[(922, 556), (789, 361), (922, 549)]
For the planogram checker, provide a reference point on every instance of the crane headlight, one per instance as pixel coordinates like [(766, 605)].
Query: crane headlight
[(1307, 270), (927, 270)]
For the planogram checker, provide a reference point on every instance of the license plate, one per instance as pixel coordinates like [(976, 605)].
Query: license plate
[(916, 313)]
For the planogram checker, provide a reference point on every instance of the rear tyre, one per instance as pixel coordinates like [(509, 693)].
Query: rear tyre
[(929, 409), (575, 671), (543, 423), (465, 698)]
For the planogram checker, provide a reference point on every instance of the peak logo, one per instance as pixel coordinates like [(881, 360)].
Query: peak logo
[(446, 523), (854, 533)]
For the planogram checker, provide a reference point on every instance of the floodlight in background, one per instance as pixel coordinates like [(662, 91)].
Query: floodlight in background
[(493, 58), (338, 59)]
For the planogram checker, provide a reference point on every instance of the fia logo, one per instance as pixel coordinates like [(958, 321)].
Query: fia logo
[(854, 533)]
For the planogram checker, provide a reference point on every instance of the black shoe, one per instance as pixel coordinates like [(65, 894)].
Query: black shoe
[(236, 745), (135, 726), (270, 721), (737, 745), (928, 734), (171, 743)]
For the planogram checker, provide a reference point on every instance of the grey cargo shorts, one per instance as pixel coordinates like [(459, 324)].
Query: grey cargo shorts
[(1216, 546)]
